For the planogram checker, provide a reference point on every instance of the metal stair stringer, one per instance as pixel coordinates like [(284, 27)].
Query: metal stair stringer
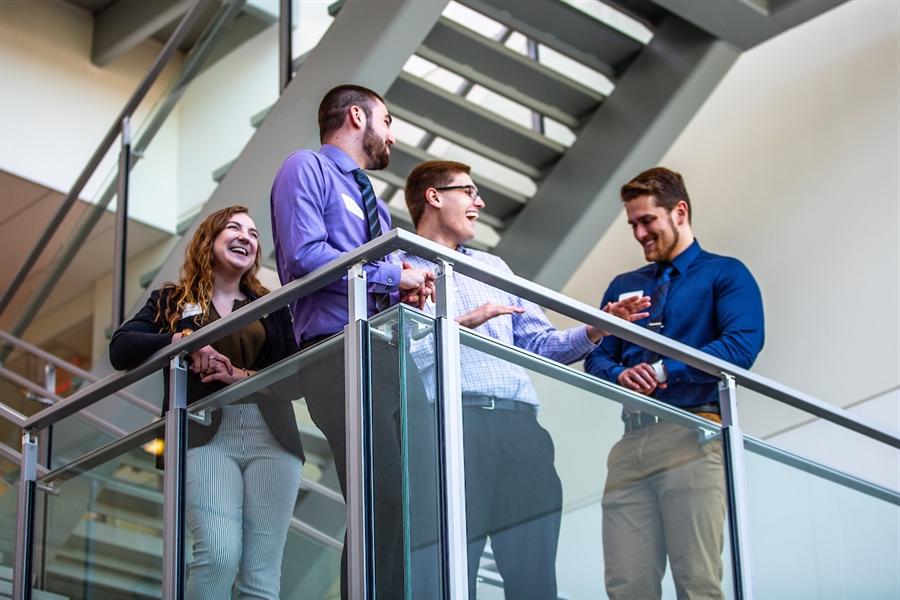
[(654, 100), (364, 46)]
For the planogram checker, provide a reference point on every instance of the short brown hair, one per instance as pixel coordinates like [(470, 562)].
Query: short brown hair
[(434, 173), (666, 186), (333, 107)]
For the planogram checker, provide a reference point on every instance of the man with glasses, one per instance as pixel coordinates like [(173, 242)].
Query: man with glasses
[(513, 493), (665, 490)]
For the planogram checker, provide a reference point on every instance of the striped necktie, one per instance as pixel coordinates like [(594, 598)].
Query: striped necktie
[(368, 197), (660, 295), (382, 301), (658, 305)]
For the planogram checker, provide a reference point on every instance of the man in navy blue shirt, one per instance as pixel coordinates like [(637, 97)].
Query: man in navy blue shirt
[(665, 490)]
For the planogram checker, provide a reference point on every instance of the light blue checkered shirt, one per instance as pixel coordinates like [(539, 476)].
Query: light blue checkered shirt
[(483, 374)]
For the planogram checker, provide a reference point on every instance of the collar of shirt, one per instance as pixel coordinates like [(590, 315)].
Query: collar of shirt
[(343, 161), (683, 261)]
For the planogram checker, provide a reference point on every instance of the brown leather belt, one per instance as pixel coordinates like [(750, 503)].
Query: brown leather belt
[(637, 420)]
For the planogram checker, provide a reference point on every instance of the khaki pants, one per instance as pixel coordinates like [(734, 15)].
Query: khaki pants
[(664, 496)]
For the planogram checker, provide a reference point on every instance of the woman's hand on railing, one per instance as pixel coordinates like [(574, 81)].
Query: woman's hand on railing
[(208, 361), (221, 373)]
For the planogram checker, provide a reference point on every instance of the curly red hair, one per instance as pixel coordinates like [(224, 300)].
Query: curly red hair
[(195, 280)]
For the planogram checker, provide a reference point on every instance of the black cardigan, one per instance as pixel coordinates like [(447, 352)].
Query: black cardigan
[(143, 335)]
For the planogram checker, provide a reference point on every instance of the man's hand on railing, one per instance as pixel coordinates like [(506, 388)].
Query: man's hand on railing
[(416, 285), (631, 309), (485, 313)]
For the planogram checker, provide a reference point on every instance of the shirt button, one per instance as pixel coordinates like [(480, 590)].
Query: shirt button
[(390, 280)]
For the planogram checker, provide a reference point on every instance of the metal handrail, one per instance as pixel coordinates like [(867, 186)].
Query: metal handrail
[(399, 239), (13, 416), (148, 131), (15, 457), (831, 474), (304, 528), (73, 369), (165, 55), (41, 392)]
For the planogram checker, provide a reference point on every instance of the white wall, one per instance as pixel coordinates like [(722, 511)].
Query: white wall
[(792, 166), (55, 105)]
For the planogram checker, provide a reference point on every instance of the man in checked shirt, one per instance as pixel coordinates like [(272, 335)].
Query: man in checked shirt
[(513, 494)]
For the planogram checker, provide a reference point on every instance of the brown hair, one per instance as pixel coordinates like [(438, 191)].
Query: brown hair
[(434, 173), (666, 186), (195, 280), (333, 107)]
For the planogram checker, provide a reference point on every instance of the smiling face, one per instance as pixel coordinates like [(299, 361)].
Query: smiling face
[(377, 137), (236, 246), (662, 234), (456, 209)]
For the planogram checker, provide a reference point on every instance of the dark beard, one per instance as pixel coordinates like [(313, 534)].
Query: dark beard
[(375, 149)]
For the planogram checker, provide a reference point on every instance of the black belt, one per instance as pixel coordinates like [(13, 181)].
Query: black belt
[(636, 420), (494, 403)]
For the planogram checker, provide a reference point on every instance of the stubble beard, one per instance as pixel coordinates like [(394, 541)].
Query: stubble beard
[(665, 254), (375, 149)]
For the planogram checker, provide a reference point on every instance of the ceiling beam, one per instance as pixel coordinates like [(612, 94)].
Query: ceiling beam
[(652, 103), (747, 23), (126, 23), (368, 44)]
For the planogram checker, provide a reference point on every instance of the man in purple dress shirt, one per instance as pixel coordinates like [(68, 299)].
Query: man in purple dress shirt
[(319, 212)]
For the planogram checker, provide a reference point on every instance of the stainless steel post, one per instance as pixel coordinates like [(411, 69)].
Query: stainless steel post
[(25, 518), (45, 459), (735, 476), (285, 45), (454, 547), (357, 391), (120, 246), (174, 456)]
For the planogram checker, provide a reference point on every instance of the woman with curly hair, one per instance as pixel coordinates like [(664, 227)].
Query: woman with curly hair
[(243, 470)]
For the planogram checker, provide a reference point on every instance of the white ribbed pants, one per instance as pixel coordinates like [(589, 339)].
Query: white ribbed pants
[(240, 492)]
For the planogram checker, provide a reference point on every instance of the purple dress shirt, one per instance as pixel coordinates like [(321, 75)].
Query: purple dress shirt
[(318, 215)]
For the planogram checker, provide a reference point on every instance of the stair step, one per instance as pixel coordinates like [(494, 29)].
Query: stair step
[(6, 576), (565, 29), (494, 66), (463, 122)]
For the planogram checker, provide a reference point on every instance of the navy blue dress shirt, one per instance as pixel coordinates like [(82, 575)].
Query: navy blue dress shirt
[(713, 305)]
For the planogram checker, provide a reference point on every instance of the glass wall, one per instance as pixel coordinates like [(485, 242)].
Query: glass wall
[(558, 490), (817, 532)]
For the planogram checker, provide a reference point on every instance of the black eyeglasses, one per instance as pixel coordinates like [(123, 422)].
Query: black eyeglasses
[(471, 190)]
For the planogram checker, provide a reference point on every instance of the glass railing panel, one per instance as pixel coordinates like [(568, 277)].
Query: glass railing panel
[(106, 421), (100, 534), (404, 456), (23, 387), (801, 433), (258, 517), (819, 533), (9, 476), (571, 507)]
